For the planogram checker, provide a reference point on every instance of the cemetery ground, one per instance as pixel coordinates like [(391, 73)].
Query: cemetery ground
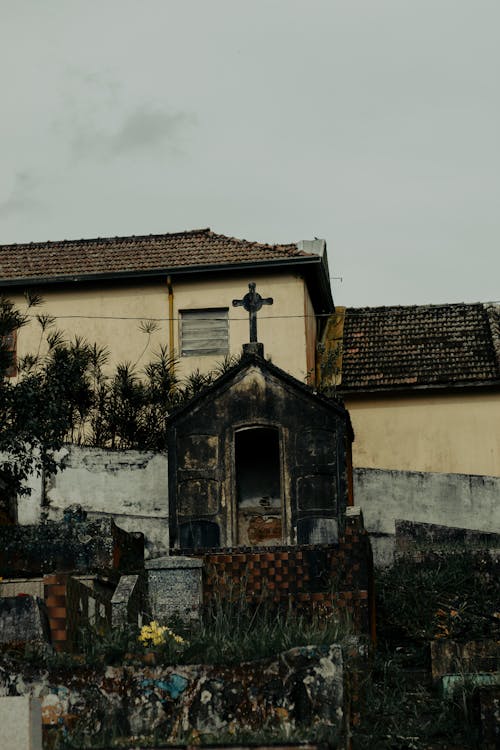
[(424, 686), (438, 648)]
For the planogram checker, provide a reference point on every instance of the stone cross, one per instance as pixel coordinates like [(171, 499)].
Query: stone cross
[(252, 302)]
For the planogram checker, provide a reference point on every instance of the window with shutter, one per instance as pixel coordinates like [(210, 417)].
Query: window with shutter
[(204, 332)]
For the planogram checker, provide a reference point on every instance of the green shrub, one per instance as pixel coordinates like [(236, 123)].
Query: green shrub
[(110, 646), (402, 712), (454, 595)]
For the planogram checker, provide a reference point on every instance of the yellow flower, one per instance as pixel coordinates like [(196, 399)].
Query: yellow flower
[(155, 635)]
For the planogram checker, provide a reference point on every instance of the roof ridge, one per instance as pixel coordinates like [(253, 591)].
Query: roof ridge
[(253, 243), (29, 263), (415, 346), (89, 240), (430, 306)]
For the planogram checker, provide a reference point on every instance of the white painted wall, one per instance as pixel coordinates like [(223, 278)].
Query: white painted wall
[(463, 500), (29, 507), (130, 486)]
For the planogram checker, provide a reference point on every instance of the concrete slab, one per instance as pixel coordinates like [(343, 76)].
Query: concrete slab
[(20, 723)]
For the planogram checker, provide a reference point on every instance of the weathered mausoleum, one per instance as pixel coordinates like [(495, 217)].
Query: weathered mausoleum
[(259, 488), (258, 459)]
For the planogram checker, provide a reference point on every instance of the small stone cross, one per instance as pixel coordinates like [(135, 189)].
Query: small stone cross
[(252, 302)]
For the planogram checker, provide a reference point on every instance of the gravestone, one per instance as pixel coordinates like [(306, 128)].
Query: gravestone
[(175, 588), (23, 620)]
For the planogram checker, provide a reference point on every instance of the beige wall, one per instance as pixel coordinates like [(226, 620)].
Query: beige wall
[(111, 316), (108, 317), (280, 327), (450, 433)]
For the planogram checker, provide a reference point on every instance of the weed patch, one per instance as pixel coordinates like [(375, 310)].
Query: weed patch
[(454, 596)]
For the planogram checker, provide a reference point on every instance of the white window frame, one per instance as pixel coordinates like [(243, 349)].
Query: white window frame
[(204, 332)]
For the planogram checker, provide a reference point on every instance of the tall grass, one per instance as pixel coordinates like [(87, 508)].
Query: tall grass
[(235, 629)]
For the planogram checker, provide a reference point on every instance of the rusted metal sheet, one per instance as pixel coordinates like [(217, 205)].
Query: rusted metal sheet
[(264, 530)]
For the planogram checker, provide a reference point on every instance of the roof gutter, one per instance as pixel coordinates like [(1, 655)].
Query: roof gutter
[(406, 389)]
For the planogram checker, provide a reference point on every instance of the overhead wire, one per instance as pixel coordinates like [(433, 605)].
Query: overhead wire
[(352, 312)]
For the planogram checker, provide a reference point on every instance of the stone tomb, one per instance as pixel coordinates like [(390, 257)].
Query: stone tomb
[(73, 544), (23, 620), (258, 459)]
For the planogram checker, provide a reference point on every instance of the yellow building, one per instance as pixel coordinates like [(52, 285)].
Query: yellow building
[(136, 294), (422, 386)]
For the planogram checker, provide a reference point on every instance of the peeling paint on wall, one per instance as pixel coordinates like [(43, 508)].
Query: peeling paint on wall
[(302, 685), (131, 487)]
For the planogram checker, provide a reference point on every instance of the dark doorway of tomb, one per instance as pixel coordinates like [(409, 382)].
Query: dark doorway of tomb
[(258, 486)]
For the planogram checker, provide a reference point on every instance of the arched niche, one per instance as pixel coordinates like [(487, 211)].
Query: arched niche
[(259, 497)]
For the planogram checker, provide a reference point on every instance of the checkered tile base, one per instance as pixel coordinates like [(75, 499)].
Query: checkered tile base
[(324, 578)]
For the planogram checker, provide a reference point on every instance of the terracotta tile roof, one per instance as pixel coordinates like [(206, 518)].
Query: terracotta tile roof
[(493, 312), (428, 345), (109, 255)]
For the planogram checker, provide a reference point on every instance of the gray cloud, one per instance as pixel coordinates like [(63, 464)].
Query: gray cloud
[(21, 196), (140, 131)]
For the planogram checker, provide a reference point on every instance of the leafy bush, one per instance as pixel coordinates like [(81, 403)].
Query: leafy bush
[(98, 647), (401, 712), (63, 392)]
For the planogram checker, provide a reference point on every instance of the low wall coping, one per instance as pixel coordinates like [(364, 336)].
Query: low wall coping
[(353, 511), (173, 562)]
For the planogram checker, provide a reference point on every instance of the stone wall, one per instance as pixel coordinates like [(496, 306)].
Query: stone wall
[(460, 500), (131, 487), (301, 687), (128, 486), (73, 544), (417, 541)]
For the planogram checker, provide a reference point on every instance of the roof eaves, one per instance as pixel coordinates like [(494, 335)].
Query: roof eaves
[(354, 390), (164, 271)]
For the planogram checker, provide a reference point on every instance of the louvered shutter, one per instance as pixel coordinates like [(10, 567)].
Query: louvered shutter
[(204, 332)]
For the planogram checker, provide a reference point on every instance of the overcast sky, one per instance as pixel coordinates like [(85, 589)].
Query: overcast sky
[(371, 123)]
